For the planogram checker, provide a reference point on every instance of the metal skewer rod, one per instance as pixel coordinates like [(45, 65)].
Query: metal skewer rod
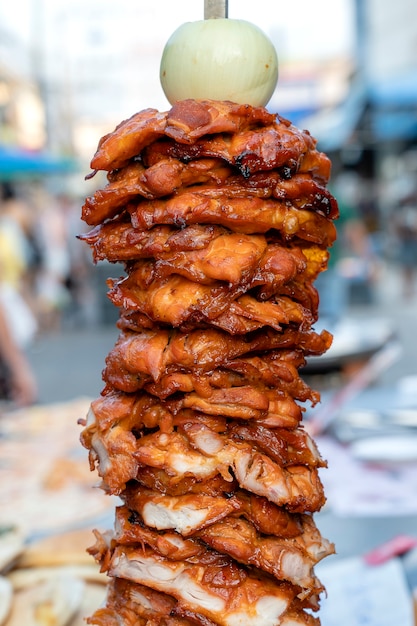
[(215, 9)]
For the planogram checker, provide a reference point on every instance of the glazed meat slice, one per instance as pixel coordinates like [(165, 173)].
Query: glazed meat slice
[(296, 487), (161, 179), (158, 480), (301, 190), (285, 559), (285, 446), (191, 512), (133, 604), (129, 529), (248, 314), (241, 320), (295, 616), (302, 292), (108, 202), (217, 255), (185, 514), (190, 252), (119, 241), (279, 410), (174, 454), (167, 176), (185, 122), (111, 453), (189, 120), (248, 215), (132, 411), (212, 585), (267, 517), (140, 353), (109, 434), (129, 604), (209, 253), (280, 265), (173, 300), (235, 374), (270, 407), (128, 139), (276, 367), (201, 453), (231, 257), (277, 146), (180, 302), (204, 384), (156, 353), (217, 392)]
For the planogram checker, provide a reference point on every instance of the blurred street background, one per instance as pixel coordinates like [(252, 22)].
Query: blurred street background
[(69, 73)]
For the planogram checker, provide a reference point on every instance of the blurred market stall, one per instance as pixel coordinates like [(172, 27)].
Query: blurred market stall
[(17, 163)]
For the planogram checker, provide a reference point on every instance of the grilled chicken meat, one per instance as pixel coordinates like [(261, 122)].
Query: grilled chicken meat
[(222, 220)]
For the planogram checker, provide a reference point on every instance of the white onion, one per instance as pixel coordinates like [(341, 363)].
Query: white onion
[(219, 59)]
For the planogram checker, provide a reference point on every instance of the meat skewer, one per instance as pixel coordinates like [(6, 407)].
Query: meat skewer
[(220, 214)]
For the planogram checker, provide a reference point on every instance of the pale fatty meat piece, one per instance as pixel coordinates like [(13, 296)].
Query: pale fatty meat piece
[(196, 585)]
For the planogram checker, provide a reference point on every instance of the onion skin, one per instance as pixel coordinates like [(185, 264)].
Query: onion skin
[(219, 59)]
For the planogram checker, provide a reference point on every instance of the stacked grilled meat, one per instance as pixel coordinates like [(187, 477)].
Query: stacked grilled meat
[(222, 219)]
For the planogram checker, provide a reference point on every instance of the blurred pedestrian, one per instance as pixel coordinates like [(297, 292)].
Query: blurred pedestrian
[(332, 285), (17, 322), (359, 263), (80, 278), (52, 293), (14, 266), (405, 224), (17, 380)]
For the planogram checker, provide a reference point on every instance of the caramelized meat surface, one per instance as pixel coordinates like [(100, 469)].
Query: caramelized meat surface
[(222, 219)]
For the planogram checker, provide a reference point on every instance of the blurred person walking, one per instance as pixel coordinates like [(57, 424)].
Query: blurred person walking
[(52, 292), (405, 224), (18, 324), (80, 278), (15, 264), (17, 381)]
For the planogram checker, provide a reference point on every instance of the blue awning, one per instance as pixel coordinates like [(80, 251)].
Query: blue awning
[(16, 163), (394, 104), (394, 125), (392, 117), (333, 127), (399, 91)]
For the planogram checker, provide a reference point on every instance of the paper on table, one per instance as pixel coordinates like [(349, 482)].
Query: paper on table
[(359, 594)]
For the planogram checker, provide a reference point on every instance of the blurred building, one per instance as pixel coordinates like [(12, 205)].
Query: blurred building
[(22, 119), (373, 130), (24, 145)]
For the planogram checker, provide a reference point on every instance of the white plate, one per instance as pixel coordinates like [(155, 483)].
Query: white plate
[(397, 449)]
